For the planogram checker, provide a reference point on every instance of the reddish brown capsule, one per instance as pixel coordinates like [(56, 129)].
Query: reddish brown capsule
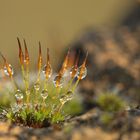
[(65, 64), (48, 66), (21, 56), (39, 58), (47, 70), (74, 69), (77, 60), (26, 59), (48, 56), (82, 72), (8, 70), (58, 81)]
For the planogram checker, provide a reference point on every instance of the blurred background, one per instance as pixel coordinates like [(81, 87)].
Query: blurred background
[(56, 24)]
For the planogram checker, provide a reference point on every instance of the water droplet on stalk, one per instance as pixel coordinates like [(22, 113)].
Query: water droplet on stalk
[(69, 92), (44, 93), (67, 97), (74, 69), (82, 72), (37, 86), (58, 81), (8, 70), (73, 72), (47, 71), (28, 92), (21, 55), (39, 58), (65, 64), (26, 59), (19, 95)]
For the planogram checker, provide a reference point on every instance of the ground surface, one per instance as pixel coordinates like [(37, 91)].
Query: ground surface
[(80, 127)]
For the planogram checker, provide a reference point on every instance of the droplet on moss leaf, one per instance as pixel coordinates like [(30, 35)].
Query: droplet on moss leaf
[(47, 71), (73, 72), (44, 93), (37, 86), (67, 97), (82, 72), (28, 92), (18, 95), (58, 81)]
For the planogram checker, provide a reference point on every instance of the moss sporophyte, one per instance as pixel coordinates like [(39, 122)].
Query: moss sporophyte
[(42, 102)]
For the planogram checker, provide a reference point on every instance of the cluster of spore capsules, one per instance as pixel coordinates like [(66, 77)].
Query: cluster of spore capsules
[(23, 97)]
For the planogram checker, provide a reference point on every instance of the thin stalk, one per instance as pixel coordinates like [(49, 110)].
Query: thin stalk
[(24, 78), (27, 77), (27, 85), (14, 83), (46, 84), (69, 84), (60, 107), (75, 85), (38, 76), (58, 90), (44, 104), (26, 60), (36, 93), (27, 99)]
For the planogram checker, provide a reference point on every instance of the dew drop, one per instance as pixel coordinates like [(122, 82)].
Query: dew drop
[(73, 72), (27, 92), (44, 93), (69, 92), (47, 70), (37, 86), (82, 72), (25, 61), (58, 81), (67, 97), (6, 71), (15, 108), (19, 95)]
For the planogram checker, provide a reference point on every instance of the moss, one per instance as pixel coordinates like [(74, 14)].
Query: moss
[(106, 118), (73, 107), (43, 102), (110, 102), (5, 101)]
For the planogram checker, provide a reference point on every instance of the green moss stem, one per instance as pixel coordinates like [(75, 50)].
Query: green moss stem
[(75, 85), (69, 84)]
